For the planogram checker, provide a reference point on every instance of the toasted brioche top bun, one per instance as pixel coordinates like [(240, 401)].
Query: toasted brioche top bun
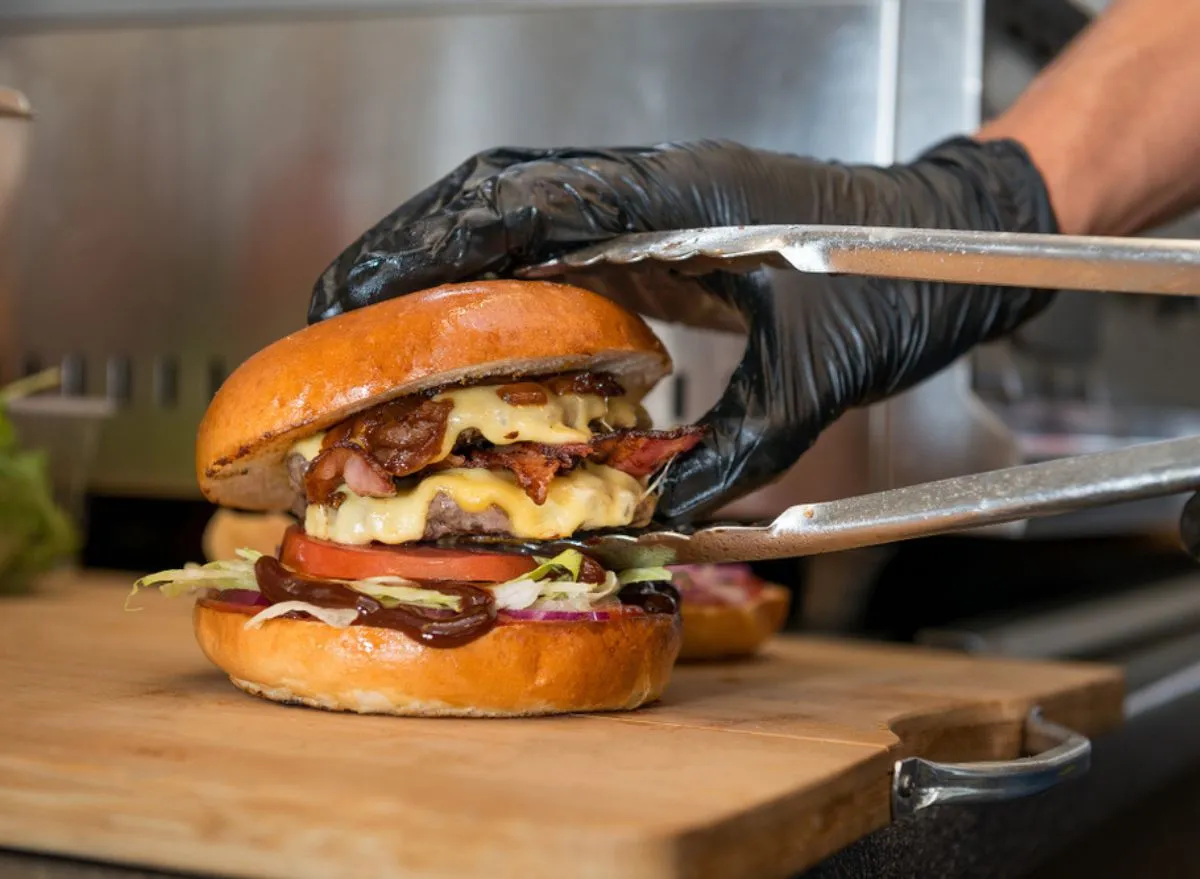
[(516, 669), (728, 631), (460, 333)]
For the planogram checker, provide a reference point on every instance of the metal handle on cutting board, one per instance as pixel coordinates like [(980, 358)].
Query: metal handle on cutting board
[(1058, 754)]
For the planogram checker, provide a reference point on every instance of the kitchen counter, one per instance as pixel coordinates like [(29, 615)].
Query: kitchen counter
[(1129, 764), (1133, 815)]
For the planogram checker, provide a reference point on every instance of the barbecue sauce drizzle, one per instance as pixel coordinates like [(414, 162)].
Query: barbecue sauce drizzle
[(440, 627), (651, 596), (434, 628)]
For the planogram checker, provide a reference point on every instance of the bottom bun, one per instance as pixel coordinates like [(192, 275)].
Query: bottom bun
[(517, 669), (726, 631)]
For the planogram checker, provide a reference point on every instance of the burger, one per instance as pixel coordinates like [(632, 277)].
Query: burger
[(430, 447), (728, 612)]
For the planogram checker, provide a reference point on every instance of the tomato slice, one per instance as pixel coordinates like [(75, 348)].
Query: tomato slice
[(320, 558)]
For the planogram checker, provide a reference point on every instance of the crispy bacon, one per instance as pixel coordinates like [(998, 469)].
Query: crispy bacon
[(602, 384), (533, 465), (640, 452), (359, 471), (369, 451), (636, 452)]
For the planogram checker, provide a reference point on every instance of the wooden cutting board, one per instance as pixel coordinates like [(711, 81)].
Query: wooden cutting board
[(118, 741)]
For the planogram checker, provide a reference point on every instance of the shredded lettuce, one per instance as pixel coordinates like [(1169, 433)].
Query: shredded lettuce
[(644, 575), (517, 594), (339, 617), (553, 594), (391, 591), (564, 566), (226, 574), (553, 585)]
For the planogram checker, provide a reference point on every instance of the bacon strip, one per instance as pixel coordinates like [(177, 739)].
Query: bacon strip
[(532, 464), (599, 383), (636, 452), (640, 452), (370, 451)]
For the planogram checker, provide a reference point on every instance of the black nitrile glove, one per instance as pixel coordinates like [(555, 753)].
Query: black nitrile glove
[(811, 354), (1189, 526)]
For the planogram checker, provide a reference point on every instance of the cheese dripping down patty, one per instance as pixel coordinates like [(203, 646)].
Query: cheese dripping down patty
[(591, 496)]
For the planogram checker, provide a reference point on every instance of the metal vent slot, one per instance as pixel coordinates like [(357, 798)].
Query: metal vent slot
[(74, 375), (165, 382), (118, 380), (216, 375)]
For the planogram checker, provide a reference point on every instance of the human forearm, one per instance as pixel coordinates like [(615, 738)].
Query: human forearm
[(1114, 123)]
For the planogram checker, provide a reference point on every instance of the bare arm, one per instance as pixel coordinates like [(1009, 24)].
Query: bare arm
[(1114, 123)]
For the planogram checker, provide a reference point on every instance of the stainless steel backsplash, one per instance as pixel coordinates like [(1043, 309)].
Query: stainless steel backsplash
[(191, 176)]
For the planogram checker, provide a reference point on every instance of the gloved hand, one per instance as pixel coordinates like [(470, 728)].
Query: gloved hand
[(1189, 526), (811, 354)]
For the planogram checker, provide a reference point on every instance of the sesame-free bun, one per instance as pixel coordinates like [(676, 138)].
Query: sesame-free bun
[(324, 373), (517, 669), (728, 631)]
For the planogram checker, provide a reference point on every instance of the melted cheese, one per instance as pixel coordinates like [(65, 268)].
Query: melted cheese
[(592, 496), (563, 419), (308, 447)]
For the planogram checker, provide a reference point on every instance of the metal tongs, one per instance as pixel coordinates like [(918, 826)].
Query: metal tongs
[(1157, 266), (1161, 267)]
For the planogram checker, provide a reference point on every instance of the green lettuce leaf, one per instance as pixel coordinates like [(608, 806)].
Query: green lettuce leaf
[(644, 575), (391, 591), (34, 533), (221, 575), (564, 566)]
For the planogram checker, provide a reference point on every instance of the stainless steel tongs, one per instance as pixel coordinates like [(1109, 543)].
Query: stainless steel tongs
[(1004, 259), (963, 502), (996, 497)]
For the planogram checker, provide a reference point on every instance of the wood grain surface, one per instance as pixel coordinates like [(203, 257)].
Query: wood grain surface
[(118, 741)]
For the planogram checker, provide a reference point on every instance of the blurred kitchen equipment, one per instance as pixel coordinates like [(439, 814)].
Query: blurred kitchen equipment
[(15, 116), (68, 431), (248, 150), (36, 528)]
